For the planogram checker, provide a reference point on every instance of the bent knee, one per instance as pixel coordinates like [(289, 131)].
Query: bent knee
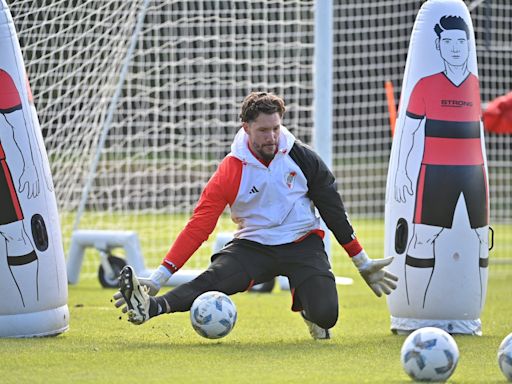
[(325, 317)]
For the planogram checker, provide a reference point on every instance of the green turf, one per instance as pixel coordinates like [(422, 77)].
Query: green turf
[(269, 344)]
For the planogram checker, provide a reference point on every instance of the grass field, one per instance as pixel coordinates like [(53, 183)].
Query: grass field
[(269, 344)]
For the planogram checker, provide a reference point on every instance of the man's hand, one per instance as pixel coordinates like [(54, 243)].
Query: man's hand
[(374, 274), (154, 282)]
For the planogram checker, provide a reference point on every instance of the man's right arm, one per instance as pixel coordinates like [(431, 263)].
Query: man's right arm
[(324, 194), (220, 191)]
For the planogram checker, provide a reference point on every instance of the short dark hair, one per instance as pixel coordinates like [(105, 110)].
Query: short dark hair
[(261, 102), (451, 22)]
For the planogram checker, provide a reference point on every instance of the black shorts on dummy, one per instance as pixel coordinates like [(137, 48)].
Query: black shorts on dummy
[(244, 263), (441, 188)]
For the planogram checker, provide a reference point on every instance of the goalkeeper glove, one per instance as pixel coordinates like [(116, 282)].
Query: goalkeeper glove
[(374, 274), (154, 282)]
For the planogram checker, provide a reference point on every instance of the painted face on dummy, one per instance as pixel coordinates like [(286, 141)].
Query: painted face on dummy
[(453, 46), (264, 135)]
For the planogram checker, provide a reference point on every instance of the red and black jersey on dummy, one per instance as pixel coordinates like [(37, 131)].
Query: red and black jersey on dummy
[(452, 161)]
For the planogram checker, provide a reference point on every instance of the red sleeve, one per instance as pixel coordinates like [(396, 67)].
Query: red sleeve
[(220, 190), (352, 248)]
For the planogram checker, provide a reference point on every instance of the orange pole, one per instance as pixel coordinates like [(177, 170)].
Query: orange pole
[(390, 97)]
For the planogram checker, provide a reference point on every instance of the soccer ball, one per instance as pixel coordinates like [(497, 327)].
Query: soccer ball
[(429, 354), (213, 315), (505, 357)]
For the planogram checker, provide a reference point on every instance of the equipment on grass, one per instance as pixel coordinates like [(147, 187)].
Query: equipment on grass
[(505, 357), (32, 268), (104, 241), (213, 315), (429, 354), (437, 197)]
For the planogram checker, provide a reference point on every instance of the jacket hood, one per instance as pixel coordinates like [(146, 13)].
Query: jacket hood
[(240, 146)]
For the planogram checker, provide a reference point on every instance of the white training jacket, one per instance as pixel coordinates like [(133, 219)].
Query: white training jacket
[(271, 204)]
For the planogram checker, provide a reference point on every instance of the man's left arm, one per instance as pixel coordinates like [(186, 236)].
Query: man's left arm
[(324, 194)]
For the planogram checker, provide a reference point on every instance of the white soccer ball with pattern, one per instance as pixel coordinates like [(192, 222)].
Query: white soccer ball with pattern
[(213, 315), (429, 354), (505, 357)]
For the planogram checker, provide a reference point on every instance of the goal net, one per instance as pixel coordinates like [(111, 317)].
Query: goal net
[(138, 101)]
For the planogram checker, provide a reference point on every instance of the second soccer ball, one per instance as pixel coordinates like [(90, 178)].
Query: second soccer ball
[(429, 354), (505, 357)]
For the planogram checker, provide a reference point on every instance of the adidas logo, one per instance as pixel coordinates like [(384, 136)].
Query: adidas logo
[(253, 190)]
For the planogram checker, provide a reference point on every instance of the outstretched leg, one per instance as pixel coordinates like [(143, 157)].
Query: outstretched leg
[(225, 274)]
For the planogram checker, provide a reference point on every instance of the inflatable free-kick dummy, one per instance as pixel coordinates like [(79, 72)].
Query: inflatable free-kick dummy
[(437, 200), (33, 278)]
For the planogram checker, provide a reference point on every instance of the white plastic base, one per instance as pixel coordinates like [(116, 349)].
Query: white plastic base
[(340, 280), (50, 322), (103, 240), (404, 326)]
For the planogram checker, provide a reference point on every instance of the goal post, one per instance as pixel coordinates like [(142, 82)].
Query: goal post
[(180, 87), (323, 87)]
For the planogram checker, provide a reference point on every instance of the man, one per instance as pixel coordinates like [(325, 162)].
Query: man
[(448, 103), (272, 183)]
